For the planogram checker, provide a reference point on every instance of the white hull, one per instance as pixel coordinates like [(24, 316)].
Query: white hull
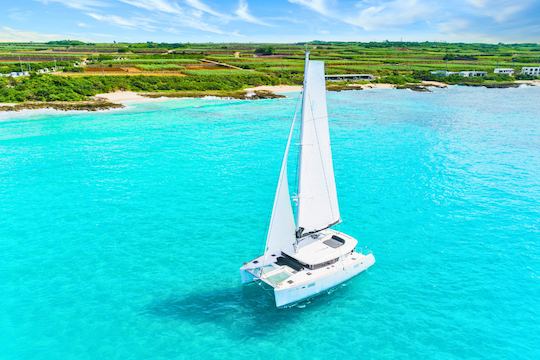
[(293, 295), (293, 285)]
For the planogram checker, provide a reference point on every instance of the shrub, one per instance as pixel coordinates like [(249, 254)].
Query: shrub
[(264, 50)]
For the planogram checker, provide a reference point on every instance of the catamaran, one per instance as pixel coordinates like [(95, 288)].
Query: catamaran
[(305, 257)]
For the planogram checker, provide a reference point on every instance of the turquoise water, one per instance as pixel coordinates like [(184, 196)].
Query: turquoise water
[(121, 233)]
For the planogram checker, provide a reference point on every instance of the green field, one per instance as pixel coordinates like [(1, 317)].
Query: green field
[(85, 69)]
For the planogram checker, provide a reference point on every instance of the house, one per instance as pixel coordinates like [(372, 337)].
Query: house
[(350, 77), (469, 73), (442, 73), (18, 73), (504, 71), (531, 70), (472, 73)]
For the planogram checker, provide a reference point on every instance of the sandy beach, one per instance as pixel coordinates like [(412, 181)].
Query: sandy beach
[(374, 86), (121, 97), (291, 88), (529, 82), (275, 88), (434, 83)]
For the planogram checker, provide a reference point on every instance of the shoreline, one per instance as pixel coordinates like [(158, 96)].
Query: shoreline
[(87, 105), (257, 92), (121, 99)]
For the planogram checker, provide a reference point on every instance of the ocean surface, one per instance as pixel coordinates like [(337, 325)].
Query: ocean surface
[(121, 232)]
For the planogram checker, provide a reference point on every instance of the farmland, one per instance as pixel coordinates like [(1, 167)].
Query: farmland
[(75, 71)]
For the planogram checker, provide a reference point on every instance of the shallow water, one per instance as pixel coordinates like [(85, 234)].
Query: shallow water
[(121, 233)]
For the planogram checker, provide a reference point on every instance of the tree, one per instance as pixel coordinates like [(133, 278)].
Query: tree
[(264, 50)]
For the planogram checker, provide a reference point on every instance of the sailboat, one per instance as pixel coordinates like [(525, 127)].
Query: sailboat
[(304, 257)]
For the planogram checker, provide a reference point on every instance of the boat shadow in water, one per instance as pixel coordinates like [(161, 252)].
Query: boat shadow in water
[(244, 311)]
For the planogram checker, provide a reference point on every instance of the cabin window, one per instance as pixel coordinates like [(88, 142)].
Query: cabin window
[(324, 264)]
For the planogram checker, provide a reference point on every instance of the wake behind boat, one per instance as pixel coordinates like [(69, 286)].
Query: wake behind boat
[(305, 257)]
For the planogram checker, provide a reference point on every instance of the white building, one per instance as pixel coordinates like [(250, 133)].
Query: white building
[(18, 73), (504, 71), (472, 73), (442, 73), (531, 70), (469, 73), (349, 77)]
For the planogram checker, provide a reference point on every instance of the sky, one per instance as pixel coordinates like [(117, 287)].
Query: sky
[(280, 21)]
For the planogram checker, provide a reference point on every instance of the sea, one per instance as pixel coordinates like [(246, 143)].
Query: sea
[(122, 232)]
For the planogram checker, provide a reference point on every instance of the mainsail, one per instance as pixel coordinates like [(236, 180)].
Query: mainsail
[(317, 198)]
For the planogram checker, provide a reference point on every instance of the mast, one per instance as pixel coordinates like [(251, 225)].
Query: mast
[(317, 197)]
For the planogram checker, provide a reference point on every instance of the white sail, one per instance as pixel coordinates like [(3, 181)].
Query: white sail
[(281, 232), (317, 197)]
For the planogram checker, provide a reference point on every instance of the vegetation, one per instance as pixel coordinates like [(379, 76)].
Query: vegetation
[(66, 42), (397, 79), (264, 50), (160, 67), (85, 69), (93, 105), (61, 88), (450, 57)]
